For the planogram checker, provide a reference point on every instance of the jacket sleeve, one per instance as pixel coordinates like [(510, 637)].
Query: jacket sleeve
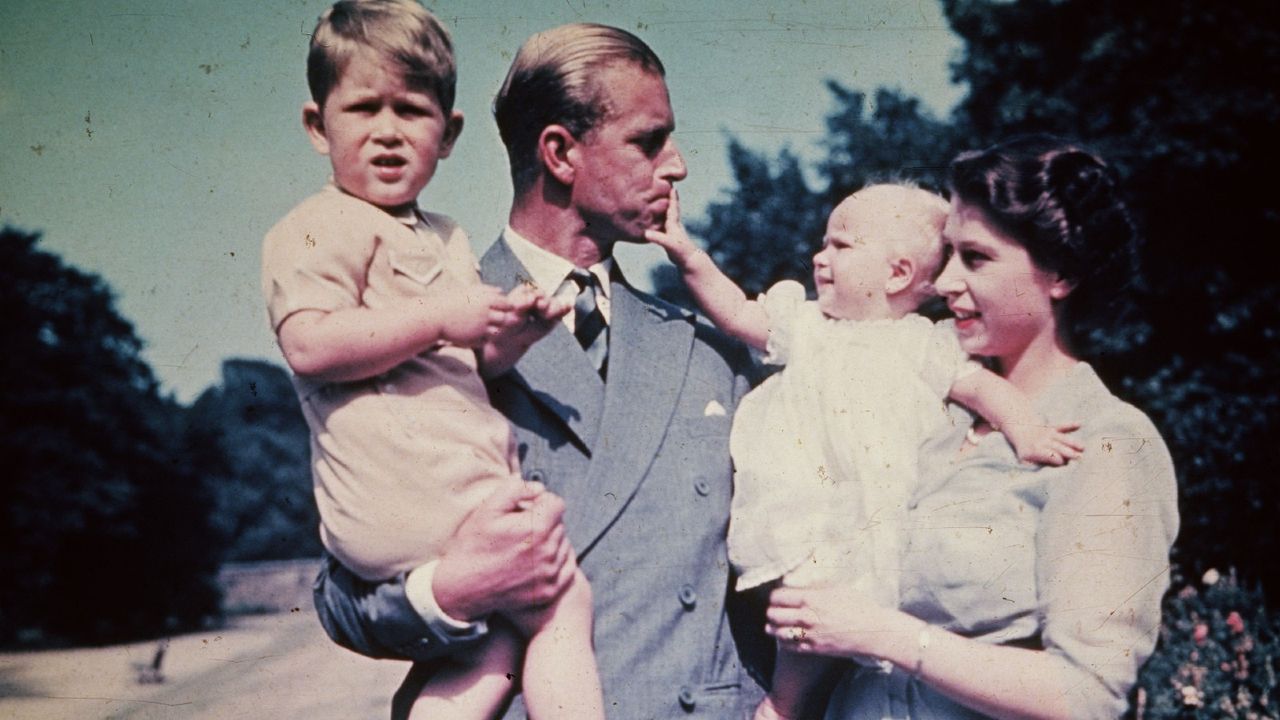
[(377, 619)]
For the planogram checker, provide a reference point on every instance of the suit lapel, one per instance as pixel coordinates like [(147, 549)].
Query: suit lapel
[(555, 371), (649, 350)]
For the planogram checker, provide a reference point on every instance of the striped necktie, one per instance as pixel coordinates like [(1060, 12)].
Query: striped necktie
[(588, 322)]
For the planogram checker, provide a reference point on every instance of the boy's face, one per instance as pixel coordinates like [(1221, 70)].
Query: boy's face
[(382, 136), (852, 270)]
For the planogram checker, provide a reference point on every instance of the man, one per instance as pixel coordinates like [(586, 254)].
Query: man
[(624, 412)]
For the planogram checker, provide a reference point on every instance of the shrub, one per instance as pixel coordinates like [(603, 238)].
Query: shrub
[(1217, 656)]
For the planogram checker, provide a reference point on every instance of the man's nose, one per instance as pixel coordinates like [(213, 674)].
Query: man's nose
[(673, 167)]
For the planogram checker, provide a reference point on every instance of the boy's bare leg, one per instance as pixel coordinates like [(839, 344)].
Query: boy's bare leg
[(474, 685), (796, 680), (560, 678)]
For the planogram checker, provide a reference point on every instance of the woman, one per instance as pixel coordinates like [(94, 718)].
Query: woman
[(1028, 591)]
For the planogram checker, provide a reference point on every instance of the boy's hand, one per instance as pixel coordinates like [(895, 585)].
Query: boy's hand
[(672, 237), (532, 315), (1044, 444), (470, 315)]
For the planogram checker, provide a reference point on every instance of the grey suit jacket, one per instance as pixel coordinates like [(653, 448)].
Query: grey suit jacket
[(643, 466)]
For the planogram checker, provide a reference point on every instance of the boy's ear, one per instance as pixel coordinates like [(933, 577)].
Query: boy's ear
[(313, 123), (902, 275), (557, 149), (452, 129)]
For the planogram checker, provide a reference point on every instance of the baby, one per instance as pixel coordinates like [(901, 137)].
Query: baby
[(380, 313), (825, 449)]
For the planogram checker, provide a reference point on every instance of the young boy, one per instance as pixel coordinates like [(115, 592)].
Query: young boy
[(380, 313)]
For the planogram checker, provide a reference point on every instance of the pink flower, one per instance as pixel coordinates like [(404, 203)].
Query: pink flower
[(1235, 622), (1200, 634)]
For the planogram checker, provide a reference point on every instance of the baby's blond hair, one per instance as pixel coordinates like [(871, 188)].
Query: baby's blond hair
[(911, 220)]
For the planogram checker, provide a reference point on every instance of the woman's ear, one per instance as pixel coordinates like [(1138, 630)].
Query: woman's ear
[(557, 149), (902, 275), (1059, 288), (313, 123)]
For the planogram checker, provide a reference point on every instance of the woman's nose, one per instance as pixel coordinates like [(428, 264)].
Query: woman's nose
[(949, 282)]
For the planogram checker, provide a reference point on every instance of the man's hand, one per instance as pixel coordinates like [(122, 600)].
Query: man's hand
[(531, 317), (510, 553), (1044, 444)]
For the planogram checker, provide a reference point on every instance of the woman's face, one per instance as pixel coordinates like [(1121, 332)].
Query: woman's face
[(1001, 299)]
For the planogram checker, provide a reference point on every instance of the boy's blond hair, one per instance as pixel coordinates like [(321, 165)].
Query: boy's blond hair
[(401, 32), (911, 220)]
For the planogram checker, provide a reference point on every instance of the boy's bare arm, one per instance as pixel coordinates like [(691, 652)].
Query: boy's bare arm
[(531, 317), (358, 343), (1009, 410), (718, 296)]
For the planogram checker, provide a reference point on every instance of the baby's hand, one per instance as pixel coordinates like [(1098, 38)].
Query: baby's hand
[(472, 314), (673, 237), (1044, 444), (531, 316)]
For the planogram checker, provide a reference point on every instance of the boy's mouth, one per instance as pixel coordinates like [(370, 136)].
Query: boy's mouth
[(388, 161)]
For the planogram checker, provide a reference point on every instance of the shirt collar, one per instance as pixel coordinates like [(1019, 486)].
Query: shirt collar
[(409, 216), (548, 270)]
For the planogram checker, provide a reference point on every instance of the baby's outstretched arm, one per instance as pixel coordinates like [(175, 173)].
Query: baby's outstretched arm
[(359, 342), (718, 296), (531, 317), (1009, 410)]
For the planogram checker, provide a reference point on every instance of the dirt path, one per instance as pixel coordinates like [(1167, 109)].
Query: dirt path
[(260, 667)]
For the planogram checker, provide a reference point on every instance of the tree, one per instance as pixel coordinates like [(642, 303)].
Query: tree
[(255, 449), (105, 526), (1182, 98)]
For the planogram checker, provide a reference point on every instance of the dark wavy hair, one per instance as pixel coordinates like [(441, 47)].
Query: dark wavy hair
[(1063, 204)]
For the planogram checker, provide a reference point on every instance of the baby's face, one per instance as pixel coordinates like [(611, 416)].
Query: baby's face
[(852, 269), (383, 137)]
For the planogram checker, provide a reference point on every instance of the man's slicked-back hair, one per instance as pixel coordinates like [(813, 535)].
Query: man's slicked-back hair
[(554, 81), (402, 32)]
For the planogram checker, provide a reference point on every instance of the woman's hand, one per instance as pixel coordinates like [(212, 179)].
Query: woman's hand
[(838, 622)]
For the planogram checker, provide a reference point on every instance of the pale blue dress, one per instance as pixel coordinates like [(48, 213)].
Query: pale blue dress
[(1072, 559)]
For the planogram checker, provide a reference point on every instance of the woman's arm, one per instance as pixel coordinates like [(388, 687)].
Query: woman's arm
[(1101, 550), (718, 296), (1001, 681)]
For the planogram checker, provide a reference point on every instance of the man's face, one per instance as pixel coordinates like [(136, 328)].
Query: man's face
[(624, 169)]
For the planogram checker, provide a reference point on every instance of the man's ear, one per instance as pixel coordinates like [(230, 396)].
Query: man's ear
[(452, 129), (902, 275), (313, 123), (557, 149)]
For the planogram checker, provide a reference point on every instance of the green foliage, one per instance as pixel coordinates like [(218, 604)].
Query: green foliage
[(1181, 97), (105, 530), (255, 450), (1217, 657)]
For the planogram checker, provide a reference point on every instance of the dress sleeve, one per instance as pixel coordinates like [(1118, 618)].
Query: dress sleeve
[(785, 304), (943, 361), (1103, 557)]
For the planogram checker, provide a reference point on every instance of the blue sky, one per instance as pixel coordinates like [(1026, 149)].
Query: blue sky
[(154, 143)]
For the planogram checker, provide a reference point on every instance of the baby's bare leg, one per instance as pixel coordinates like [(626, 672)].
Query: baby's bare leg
[(474, 685), (560, 676)]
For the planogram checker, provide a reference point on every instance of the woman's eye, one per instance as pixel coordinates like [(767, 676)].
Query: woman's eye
[(973, 258)]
